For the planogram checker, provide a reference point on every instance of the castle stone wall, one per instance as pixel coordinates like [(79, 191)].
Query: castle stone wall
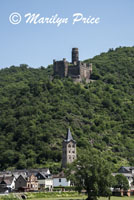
[(60, 68), (73, 70)]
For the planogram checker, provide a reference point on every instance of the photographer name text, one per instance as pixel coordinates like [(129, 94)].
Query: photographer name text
[(33, 18)]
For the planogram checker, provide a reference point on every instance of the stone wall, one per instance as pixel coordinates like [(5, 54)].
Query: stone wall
[(73, 70)]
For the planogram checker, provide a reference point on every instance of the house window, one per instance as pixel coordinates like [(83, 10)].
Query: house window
[(59, 180)]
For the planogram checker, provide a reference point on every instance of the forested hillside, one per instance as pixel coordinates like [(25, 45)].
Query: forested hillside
[(35, 112)]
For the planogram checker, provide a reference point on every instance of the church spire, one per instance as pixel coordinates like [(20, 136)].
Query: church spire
[(69, 135)]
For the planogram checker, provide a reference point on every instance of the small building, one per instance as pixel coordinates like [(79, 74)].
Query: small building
[(44, 181), (60, 180), (7, 183), (27, 183)]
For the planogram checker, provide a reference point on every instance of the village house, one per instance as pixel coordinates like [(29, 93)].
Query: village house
[(60, 180), (26, 183), (44, 181), (7, 183)]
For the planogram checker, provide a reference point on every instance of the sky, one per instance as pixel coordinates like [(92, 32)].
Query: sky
[(37, 44)]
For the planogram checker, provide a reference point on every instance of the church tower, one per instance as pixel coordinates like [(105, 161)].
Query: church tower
[(68, 149)]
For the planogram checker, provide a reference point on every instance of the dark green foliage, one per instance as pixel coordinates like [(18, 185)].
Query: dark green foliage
[(91, 173), (121, 182), (35, 112)]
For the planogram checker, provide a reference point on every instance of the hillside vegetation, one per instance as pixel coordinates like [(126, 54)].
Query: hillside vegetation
[(35, 112)]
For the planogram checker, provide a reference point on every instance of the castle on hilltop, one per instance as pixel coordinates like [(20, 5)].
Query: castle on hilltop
[(77, 70)]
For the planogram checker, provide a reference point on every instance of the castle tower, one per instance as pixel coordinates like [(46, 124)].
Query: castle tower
[(68, 149), (75, 55)]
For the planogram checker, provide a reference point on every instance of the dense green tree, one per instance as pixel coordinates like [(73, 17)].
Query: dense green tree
[(121, 182), (91, 173)]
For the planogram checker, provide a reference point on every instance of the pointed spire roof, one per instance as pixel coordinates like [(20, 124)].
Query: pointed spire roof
[(69, 136)]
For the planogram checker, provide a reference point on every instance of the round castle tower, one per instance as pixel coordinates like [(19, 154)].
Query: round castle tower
[(75, 55)]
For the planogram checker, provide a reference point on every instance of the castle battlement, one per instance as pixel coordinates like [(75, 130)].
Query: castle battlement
[(77, 70)]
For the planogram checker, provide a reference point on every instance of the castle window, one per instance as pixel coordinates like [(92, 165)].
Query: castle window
[(73, 151), (59, 180), (73, 145), (69, 145)]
